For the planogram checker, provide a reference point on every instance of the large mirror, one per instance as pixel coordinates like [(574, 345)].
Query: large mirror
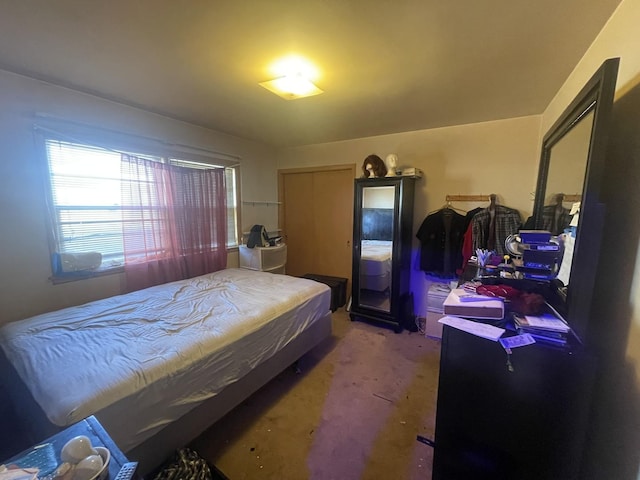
[(568, 192), (567, 164), (376, 247)]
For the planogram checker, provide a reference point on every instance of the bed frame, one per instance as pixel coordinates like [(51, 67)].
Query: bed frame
[(157, 449)]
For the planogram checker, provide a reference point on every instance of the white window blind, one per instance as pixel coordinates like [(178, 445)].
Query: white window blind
[(85, 191)]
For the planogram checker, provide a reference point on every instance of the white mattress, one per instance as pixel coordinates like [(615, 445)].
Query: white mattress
[(146, 358), (378, 283), (375, 257)]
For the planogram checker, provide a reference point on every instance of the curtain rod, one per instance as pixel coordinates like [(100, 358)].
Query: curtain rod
[(49, 116), (72, 138)]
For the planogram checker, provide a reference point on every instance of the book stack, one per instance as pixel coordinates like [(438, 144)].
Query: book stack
[(546, 328)]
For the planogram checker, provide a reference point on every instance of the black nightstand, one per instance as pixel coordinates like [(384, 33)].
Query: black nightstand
[(92, 429)]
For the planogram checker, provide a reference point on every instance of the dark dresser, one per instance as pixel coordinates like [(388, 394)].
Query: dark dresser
[(493, 423)]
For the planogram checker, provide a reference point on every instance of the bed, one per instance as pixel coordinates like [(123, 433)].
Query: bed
[(160, 365), (375, 265), (375, 253)]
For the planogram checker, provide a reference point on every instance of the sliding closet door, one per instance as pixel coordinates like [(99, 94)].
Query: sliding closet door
[(334, 225), (316, 218), (298, 222)]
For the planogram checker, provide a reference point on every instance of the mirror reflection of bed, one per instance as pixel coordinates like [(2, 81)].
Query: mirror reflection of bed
[(376, 247), (375, 274)]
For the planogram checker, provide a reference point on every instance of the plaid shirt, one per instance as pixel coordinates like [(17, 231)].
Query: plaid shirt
[(555, 220), (507, 221)]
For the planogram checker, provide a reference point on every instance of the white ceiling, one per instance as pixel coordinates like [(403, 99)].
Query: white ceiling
[(386, 66)]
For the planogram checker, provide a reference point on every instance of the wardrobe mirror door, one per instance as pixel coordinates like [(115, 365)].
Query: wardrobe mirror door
[(376, 247)]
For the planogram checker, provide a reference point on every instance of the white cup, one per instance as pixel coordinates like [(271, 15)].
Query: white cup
[(77, 449), (88, 467)]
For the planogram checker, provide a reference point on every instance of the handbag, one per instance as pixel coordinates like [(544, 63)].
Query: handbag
[(258, 237)]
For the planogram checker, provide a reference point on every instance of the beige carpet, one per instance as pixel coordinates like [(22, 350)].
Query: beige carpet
[(353, 412)]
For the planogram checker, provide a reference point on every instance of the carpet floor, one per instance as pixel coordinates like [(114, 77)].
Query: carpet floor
[(352, 411)]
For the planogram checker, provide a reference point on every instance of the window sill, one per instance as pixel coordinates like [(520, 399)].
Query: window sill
[(75, 276)]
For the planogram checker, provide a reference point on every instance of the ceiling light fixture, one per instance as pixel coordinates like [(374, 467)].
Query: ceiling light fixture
[(291, 87), (293, 78)]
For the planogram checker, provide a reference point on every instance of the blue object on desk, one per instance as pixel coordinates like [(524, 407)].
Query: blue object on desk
[(42, 457)]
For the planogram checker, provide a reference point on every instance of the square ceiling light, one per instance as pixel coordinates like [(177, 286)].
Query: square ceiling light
[(291, 87)]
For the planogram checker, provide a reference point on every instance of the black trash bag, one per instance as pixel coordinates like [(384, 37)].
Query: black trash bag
[(258, 237), (186, 465)]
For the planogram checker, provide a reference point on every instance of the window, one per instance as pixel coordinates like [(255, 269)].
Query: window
[(232, 197), (85, 200)]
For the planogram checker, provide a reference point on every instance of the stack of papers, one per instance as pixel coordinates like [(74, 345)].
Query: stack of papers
[(476, 328), (546, 328), (545, 322)]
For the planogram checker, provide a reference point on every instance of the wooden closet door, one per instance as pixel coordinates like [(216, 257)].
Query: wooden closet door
[(333, 207), (317, 219), (298, 223)]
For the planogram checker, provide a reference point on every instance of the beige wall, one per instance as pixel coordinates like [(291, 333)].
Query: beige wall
[(24, 255), (614, 450), (493, 157), (618, 38)]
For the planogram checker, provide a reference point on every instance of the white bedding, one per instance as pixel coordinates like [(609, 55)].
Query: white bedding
[(375, 257), (375, 265), (379, 283), (146, 358)]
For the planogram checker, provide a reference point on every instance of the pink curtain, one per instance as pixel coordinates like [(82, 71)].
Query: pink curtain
[(174, 222)]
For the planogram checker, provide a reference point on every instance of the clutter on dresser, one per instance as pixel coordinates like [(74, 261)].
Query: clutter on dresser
[(538, 252), (545, 328)]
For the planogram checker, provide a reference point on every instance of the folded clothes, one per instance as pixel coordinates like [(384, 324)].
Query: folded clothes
[(519, 302)]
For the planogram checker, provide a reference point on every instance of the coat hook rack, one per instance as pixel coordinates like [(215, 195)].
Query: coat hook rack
[(468, 198), (572, 198)]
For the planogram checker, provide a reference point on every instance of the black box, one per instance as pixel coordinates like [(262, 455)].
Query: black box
[(338, 287)]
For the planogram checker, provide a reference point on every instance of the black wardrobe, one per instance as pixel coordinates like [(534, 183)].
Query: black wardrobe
[(382, 235)]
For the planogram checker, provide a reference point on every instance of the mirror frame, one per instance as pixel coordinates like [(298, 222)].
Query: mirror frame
[(597, 96)]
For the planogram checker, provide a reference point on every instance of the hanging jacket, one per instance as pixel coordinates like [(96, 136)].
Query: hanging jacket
[(467, 242), (441, 234), (553, 219)]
